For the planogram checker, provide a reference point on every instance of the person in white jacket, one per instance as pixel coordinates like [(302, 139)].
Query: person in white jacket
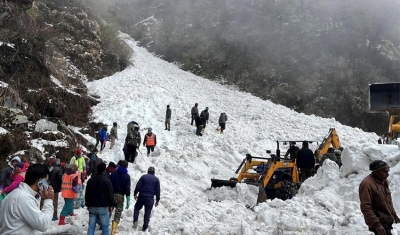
[(20, 213)]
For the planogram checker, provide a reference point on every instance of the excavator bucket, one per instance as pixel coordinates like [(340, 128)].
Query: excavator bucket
[(216, 183), (384, 97), (262, 196)]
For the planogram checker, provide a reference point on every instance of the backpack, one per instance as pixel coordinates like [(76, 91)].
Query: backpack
[(133, 138)]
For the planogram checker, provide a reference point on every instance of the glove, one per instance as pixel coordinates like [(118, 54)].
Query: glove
[(75, 189), (128, 202)]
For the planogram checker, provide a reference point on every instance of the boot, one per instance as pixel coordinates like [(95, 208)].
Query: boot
[(101, 151), (135, 224), (148, 155), (111, 148), (114, 227), (62, 221)]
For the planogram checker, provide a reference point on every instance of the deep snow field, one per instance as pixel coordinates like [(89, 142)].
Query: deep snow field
[(326, 203)]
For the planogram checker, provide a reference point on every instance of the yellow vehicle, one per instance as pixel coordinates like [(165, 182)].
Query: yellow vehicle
[(275, 177), (385, 98), (331, 140)]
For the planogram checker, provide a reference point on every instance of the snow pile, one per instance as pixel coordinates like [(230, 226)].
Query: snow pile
[(326, 204)]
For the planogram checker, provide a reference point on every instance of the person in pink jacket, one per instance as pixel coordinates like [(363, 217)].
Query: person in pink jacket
[(17, 177)]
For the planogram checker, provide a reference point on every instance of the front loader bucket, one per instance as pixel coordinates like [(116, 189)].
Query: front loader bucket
[(384, 97), (216, 183), (262, 196)]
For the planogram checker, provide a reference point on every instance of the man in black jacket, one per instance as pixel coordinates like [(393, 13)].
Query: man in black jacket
[(305, 161), (99, 199), (55, 180)]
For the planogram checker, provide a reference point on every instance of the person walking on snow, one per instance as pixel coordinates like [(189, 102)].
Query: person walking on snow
[(204, 118), (150, 141), (55, 180), (17, 177), (113, 135), (99, 199), (69, 191), (132, 142), (222, 121), (168, 119), (147, 187), (121, 182), (103, 139), (199, 125), (376, 201), (194, 112), (98, 140), (20, 213), (79, 160), (5, 179)]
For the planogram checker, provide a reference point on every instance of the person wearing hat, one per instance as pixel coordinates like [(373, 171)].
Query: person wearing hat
[(121, 182), (150, 141), (147, 187), (113, 135), (5, 179), (376, 200), (17, 177)]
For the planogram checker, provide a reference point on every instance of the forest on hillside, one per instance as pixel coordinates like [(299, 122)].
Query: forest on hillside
[(316, 57)]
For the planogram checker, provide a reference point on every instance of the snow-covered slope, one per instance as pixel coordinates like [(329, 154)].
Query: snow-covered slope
[(326, 204)]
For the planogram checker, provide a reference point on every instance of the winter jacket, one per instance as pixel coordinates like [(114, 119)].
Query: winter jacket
[(305, 158), (5, 179), (205, 115), (103, 135), (330, 156), (114, 132), (376, 202), (293, 151), (168, 113), (222, 118), (98, 134), (130, 127), (133, 138), (92, 165), (121, 181), (99, 192), (148, 186), (16, 179), (20, 212), (150, 140), (80, 161), (198, 121), (194, 111), (55, 178)]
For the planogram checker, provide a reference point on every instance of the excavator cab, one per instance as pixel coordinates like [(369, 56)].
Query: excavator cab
[(385, 98)]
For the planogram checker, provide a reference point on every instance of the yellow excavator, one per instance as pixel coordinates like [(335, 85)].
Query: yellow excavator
[(330, 140), (275, 177), (385, 98)]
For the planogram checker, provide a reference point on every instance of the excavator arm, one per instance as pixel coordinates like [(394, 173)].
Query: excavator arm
[(331, 139)]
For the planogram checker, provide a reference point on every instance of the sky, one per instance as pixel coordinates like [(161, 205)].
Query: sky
[(327, 203)]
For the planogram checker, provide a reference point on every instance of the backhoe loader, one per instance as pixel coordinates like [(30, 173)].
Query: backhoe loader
[(275, 177), (331, 140)]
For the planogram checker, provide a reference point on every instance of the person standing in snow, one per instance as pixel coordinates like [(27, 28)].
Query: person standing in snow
[(5, 179), (121, 182), (329, 155), (98, 140), (17, 177), (94, 160), (199, 125), (305, 161), (194, 112), (168, 118), (204, 118), (99, 199), (132, 142), (55, 180), (150, 141), (147, 187), (222, 121), (103, 138), (376, 200), (20, 213), (79, 160), (113, 135), (69, 191), (292, 151)]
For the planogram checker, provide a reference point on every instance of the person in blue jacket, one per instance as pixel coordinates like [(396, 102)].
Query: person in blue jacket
[(103, 138), (147, 187)]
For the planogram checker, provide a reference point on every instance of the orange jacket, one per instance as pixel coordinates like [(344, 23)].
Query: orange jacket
[(69, 181)]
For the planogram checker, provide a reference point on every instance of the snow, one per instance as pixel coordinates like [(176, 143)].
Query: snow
[(185, 164)]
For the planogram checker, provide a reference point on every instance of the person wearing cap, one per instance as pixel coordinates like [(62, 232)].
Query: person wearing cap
[(194, 112), (55, 180), (79, 160), (5, 179), (376, 200), (150, 141), (305, 161), (168, 119), (17, 177), (113, 135), (99, 199), (121, 182), (147, 187), (20, 212)]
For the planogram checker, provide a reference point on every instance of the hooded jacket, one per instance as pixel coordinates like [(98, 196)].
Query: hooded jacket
[(5, 179), (20, 212), (121, 181), (376, 202)]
